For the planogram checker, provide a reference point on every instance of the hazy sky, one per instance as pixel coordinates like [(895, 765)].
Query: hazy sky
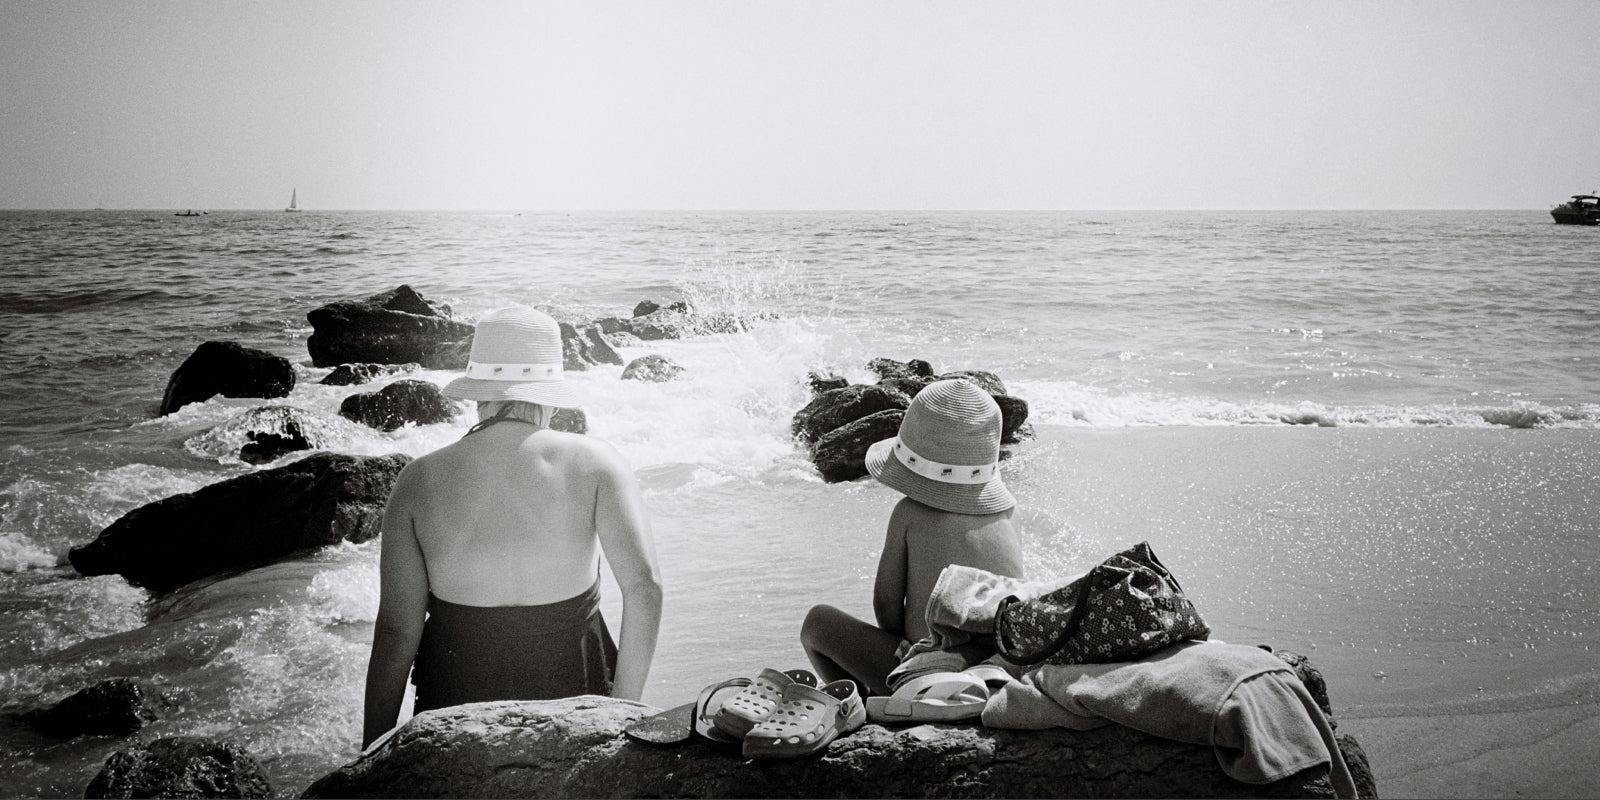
[(798, 105)]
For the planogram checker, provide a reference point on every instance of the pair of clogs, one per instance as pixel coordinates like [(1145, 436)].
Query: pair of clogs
[(785, 714)]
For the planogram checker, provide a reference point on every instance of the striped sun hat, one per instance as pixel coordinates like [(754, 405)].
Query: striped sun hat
[(516, 355), (948, 452)]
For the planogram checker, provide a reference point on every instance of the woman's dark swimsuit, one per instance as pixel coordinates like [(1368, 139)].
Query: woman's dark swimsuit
[(471, 654)]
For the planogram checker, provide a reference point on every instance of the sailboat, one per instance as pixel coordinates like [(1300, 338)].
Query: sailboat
[(294, 205)]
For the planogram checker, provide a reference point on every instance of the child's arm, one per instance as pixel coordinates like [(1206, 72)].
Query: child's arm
[(889, 591)]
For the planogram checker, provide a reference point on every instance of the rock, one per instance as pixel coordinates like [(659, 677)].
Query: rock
[(276, 431), (646, 307), (181, 766), (825, 383), (245, 522), (651, 368), (570, 420), (1013, 418), (114, 707), (228, 369), (584, 347), (395, 327), (834, 408), (665, 323), (889, 368), (265, 433), (841, 454), (600, 348), (575, 748), (356, 374), (401, 402), (906, 384)]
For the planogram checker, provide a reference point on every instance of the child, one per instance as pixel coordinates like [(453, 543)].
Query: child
[(956, 511)]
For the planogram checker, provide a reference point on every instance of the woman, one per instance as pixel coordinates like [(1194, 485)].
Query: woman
[(491, 548)]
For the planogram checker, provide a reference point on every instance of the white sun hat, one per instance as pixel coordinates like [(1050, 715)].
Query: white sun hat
[(516, 355), (948, 452)]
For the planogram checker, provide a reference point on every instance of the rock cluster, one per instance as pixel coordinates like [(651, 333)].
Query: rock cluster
[(843, 419), (575, 748), (245, 521)]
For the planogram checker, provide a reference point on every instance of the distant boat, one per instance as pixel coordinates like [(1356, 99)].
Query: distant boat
[(189, 213), (294, 204), (1582, 209)]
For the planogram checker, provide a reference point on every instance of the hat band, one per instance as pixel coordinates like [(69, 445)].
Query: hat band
[(513, 372), (944, 473)]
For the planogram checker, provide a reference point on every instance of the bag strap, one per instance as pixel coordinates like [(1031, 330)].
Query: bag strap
[(1074, 620)]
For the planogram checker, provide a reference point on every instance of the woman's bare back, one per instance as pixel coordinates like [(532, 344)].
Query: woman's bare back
[(509, 517)]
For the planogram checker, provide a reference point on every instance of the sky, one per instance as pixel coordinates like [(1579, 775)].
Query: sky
[(769, 104)]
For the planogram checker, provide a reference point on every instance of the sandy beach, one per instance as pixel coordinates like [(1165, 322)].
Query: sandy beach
[(1514, 717)]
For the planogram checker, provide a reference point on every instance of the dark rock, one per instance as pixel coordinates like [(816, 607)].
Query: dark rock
[(570, 420), (600, 349), (403, 401), (889, 368), (265, 448), (663, 323), (987, 381), (825, 383), (575, 748), (275, 431), (587, 346), (907, 384), (646, 307), (834, 408), (1013, 418), (183, 767), (114, 707), (245, 522), (840, 455), (356, 374), (228, 369), (651, 368), (395, 327)]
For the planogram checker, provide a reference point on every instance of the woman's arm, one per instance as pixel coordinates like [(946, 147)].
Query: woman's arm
[(624, 532), (402, 609), (889, 590)]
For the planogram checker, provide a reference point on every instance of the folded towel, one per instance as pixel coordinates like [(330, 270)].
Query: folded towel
[(1244, 701)]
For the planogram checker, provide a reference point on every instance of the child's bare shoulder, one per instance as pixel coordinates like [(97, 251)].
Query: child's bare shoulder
[(915, 517)]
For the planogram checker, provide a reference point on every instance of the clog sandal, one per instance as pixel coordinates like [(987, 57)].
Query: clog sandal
[(807, 720), (748, 708), (712, 700)]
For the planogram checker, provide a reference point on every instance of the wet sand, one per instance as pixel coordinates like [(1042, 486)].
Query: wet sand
[(1456, 647)]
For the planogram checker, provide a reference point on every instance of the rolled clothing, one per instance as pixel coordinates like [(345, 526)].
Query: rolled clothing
[(473, 654)]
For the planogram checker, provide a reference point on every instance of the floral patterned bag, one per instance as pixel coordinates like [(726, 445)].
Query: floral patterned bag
[(1126, 607)]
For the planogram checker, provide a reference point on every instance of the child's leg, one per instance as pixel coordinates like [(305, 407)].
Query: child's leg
[(841, 646)]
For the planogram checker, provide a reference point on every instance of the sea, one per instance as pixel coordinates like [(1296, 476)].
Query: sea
[(1428, 325)]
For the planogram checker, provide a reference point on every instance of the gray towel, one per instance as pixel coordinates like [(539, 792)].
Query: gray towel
[(1243, 701)]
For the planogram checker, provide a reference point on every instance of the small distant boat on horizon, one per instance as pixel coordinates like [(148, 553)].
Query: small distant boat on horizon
[(189, 212), (294, 201), (1582, 209)]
